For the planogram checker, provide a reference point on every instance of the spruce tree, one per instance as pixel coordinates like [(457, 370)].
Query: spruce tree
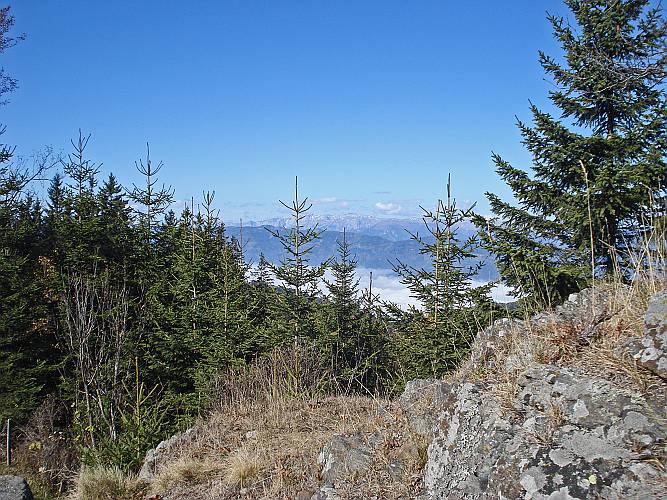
[(82, 226), (446, 286), (153, 199), (599, 166), (436, 337), (172, 316), (300, 278), (157, 245), (27, 351), (225, 332), (343, 294), (343, 289)]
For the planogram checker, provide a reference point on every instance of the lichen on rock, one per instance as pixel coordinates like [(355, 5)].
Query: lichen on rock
[(523, 418), (571, 435)]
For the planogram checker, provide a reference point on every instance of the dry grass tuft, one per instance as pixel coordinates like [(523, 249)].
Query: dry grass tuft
[(604, 356), (242, 466), (505, 392), (296, 371), (101, 483), (187, 470)]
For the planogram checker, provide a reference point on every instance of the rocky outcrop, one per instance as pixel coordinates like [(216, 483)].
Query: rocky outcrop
[(418, 401), (650, 351), (347, 460), (343, 456), (567, 433), (575, 437), (560, 407), (14, 488), (155, 456)]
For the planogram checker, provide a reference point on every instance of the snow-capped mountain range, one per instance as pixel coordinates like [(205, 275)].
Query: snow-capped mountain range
[(393, 229), (377, 242)]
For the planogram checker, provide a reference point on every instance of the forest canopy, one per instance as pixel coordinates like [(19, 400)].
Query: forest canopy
[(124, 318)]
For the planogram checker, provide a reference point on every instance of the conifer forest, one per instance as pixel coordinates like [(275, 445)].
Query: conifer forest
[(124, 318)]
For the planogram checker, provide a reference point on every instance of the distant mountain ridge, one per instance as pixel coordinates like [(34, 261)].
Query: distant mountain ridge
[(389, 228), (376, 242)]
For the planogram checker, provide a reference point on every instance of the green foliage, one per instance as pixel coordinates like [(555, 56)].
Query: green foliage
[(432, 340), (300, 279), (591, 181), (352, 335), (143, 423), (28, 361), (344, 313), (153, 198)]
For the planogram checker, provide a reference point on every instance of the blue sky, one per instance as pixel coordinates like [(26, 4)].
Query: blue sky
[(370, 103)]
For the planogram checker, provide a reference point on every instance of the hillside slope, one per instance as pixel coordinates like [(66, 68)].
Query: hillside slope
[(568, 404)]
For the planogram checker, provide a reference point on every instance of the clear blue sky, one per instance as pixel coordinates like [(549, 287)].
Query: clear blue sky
[(370, 103)]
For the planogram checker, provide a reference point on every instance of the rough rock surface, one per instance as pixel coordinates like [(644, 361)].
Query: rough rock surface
[(14, 488), (417, 401), (569, 435), (346, 459), (154, 457), (651, 350), (561, 432), (577, 437), (344, 456)]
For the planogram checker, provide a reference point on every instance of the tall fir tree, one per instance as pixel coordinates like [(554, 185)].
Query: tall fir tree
[(153, 199), (294, 270), (343, 289), (599, 166), (82, 227), (225, 334), (346, 349), (27, 352), (437, 336), (446, 286)]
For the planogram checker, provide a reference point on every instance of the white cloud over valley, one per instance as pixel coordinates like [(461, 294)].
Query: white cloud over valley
[(389, 207)]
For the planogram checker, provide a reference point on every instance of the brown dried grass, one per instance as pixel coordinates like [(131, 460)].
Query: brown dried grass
[(613, 320), (270, 450), (107, 483)]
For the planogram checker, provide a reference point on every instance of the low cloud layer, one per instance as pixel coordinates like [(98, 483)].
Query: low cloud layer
[(388, 287), (389, 207)]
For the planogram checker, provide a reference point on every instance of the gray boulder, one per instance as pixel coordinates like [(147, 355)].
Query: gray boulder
[(420, 401), (343, 457), (14, 488), (572, 437), (653, 354), (156, 455), (650, 350), (565, 434)]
